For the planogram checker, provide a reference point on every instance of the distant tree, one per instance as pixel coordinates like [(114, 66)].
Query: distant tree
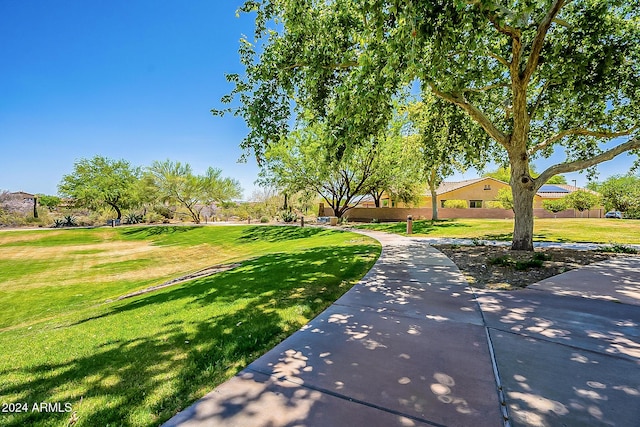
[(554, 206), (505, 198), (49, 202), (448, 140), (303, 161), (581, 200), (100, 182), (175, 182), (620, 192)]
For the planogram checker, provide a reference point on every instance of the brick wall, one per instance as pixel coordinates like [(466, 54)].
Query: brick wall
[(400, 214)]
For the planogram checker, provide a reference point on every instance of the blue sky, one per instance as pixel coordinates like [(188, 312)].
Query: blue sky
[(125, 79)]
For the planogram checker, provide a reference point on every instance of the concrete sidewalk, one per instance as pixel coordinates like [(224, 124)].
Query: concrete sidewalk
[(409, 345)]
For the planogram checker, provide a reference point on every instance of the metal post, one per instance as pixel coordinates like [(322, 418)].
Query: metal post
[(409, 224), (301, 221)]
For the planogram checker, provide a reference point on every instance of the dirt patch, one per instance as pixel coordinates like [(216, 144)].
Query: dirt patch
[(498, 267), (209, 271)]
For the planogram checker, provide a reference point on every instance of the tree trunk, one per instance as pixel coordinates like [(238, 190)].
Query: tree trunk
[(285, 206), (523, 190), (117, 209), (434, 203), (35, 207), (376, 198)]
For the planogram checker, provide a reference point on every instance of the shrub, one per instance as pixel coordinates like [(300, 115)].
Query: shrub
[(288, 216), (619, 249), (264, 220), (69, 221), (455, 204), (133, 218)]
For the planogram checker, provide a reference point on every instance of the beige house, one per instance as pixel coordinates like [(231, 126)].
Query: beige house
[(479, 196), (477, 193)]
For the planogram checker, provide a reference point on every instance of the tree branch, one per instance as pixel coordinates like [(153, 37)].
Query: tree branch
[(498, 58), (578, 131), (539, 98), (538, 41), (583, 164), (477, 115)]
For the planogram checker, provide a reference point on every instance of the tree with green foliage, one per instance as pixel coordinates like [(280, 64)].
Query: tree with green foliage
[(505, 198), (555, 206), (49, 202), (449, 141), (101, 182), (175, 182), (535, 76), (394, 170), (621, 193), (581, 200), (302, 161)]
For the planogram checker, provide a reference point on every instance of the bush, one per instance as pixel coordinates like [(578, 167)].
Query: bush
[(288, 216), (264, 220), (152, 217), (133, 218), (618, 249), (455, 204), (69, 221)]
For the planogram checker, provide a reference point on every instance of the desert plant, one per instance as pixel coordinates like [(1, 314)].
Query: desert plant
[(133, 218), (264, 220), (69, 221), (288, 216)]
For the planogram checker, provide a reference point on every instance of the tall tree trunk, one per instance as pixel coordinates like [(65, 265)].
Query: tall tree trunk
[(433, 181), (35, 207), (434, 203), (117, 209), (523, 189)]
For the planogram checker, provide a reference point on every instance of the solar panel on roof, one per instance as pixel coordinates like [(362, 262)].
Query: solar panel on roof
[(552, 189)]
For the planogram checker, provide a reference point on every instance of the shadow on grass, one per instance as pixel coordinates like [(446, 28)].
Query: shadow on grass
[(419, 227), (199, 334), (279, 233), (156, 230)]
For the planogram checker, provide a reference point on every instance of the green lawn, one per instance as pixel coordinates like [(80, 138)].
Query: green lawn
[(140, 360), (594, 230)]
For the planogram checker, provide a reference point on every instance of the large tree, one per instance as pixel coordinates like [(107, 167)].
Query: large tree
[(302, 161), (449, 141), (175, 182), (620, 193), (535, 75), (101, 182)]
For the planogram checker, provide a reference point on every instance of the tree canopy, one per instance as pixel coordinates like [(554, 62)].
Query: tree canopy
[(175, 182), (535, 76), (621, 193), (302, 161), (100, 182)]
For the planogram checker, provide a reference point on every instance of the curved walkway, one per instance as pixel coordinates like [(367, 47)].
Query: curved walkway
[(412, 345)]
